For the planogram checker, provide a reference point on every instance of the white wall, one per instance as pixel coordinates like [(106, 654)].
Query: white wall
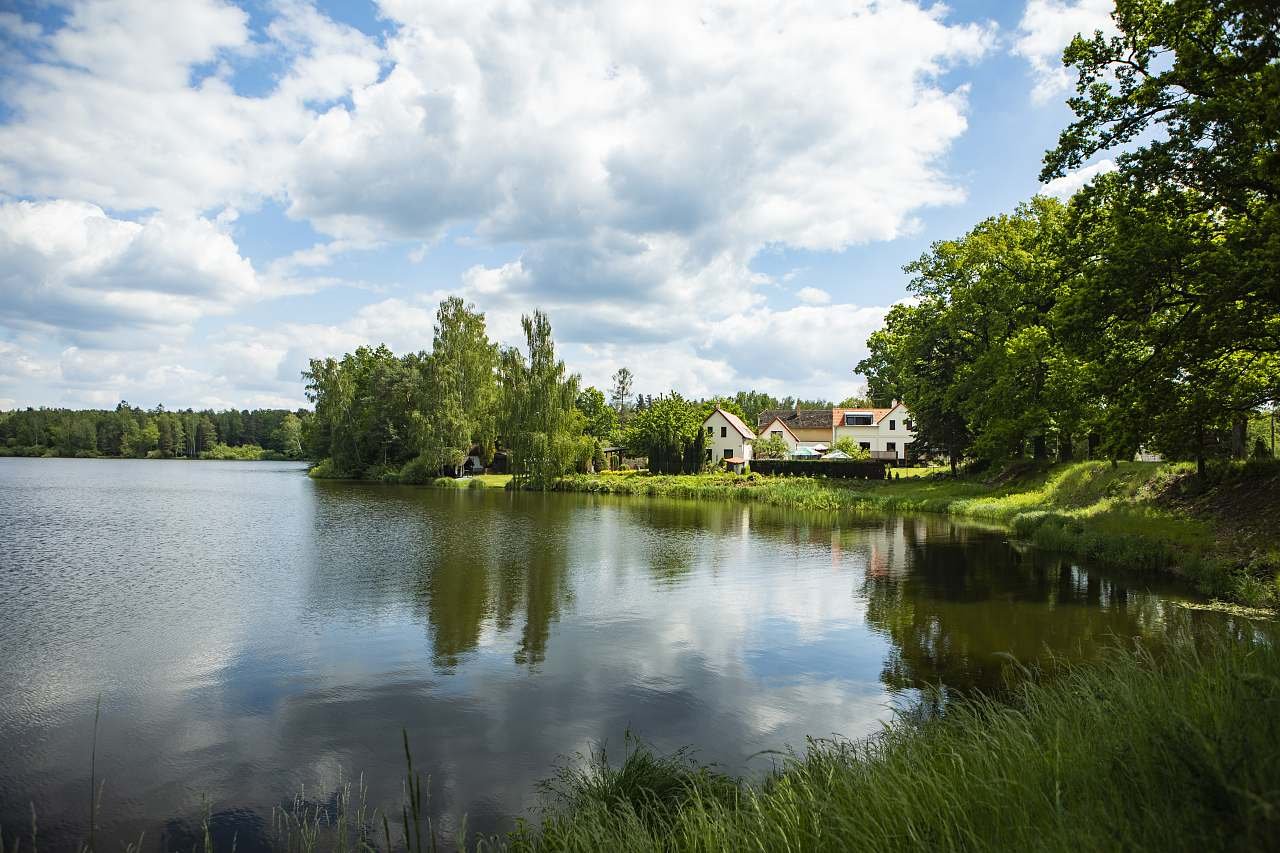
[(787, 436), (731, 440), (879, 435)]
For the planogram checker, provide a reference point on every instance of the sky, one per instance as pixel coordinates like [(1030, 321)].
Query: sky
[(198, 196)]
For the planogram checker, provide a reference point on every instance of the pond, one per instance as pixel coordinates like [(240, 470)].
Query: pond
[(252, 633)]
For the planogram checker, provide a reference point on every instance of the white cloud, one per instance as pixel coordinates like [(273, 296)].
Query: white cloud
[(637, 159), (69, 266), (1046, 28), (111, 115), (1067, 186)]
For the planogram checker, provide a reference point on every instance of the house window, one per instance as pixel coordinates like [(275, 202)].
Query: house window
[(777, 433), (708, 449), (893, 425), (728, 452), (907, 423), (891, 445), (856, 419), (865, 445), (710, 431), (724, 432)]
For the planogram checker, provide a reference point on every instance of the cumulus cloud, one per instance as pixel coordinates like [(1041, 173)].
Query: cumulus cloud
[(1070, 183), (1046, 28), (634, 159), (110, 113), (69, 266)]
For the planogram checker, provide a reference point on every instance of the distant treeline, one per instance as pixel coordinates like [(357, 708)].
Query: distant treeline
[(131, 432)]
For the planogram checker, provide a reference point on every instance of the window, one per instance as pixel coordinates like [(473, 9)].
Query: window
[(708, 449), (710, 431), (728, 452), (777, 433), (724, 432), (907, 423), (857, 419), (893, 425), (865, 445), (891, 445)]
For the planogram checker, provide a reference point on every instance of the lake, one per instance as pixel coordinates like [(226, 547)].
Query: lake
[(253, 633)]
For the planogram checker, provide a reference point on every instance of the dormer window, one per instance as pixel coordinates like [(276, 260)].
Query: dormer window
[(858, 419)]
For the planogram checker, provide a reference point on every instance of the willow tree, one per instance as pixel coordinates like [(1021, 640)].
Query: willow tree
[(538, 420), (457, 409)]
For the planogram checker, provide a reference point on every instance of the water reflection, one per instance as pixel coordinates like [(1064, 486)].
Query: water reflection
[(252, 631)]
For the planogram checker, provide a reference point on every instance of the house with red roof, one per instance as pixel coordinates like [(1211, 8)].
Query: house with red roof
[(728, 439)]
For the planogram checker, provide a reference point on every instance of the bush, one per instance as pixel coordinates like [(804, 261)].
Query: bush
[(445, 483), (325, 470), (418, 471), (240, 453), (475, 484)]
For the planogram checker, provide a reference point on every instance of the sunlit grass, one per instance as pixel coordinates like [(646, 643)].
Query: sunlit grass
[(1172, 749)]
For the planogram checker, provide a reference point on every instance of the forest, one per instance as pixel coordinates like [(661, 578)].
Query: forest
[(131, 432), (1144, 312)]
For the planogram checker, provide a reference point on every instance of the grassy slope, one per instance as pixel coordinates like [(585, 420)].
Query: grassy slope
[(1179, 750), (1145, 516)]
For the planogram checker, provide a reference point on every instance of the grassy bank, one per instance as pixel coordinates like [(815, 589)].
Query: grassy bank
[(1143, 516), (1177, 750)]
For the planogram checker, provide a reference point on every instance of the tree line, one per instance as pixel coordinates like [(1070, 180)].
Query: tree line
[(1145, 311), (414, 417), (132, 432)]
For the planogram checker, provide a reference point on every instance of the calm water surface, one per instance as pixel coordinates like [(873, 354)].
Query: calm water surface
[(251, 632)]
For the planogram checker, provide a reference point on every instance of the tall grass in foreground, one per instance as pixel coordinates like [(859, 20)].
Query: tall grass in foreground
[(1173, 750)]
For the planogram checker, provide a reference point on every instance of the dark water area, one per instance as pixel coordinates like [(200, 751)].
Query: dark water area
[(253, 633)]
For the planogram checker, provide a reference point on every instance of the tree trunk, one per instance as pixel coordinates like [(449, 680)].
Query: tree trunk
[(1065, 448), (1239, 432), (1094, 441), (1039, 451), (951, 452), (1200, 466)]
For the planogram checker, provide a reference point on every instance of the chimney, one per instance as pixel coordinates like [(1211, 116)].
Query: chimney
[(895, 403)]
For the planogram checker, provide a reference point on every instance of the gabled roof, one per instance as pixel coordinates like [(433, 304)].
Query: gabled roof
[(797, 418), (780, 423), (734, 421)]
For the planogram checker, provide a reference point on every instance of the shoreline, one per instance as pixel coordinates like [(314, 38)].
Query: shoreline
[(1140, 516)]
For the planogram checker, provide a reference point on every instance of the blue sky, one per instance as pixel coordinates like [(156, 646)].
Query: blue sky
[(198, 196)]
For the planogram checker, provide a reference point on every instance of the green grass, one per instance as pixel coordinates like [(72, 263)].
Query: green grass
[(1108, 514), (1176, 749)]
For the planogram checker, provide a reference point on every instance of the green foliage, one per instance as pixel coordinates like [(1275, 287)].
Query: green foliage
[(539, 422), (127, 431), (849, 446), (772, 447), (419, 470), (599, 419), (668, 431), (1186, 731), (242, 453), (325, 470)]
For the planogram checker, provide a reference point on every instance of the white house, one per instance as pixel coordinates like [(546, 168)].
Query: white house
[(728, 439), (777, 428), (884, 432)]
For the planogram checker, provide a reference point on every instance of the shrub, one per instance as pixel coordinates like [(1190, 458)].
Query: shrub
[(418, 471), (325, 470), (475, 484), (444, 483)]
